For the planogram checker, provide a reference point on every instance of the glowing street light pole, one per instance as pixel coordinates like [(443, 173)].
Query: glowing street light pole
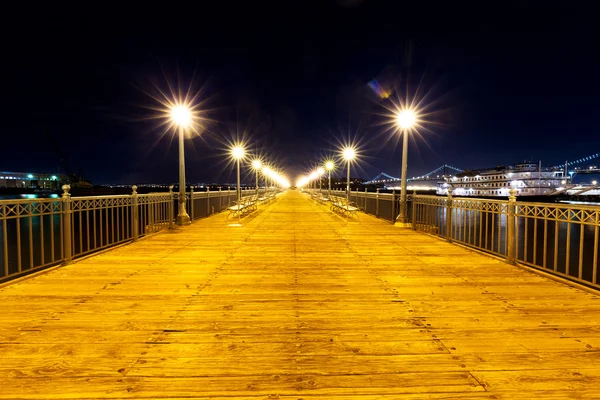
[(238, 154), (348, 156), (405, 120), (256, 164), (181, 116), (329, 166), (320, 171)]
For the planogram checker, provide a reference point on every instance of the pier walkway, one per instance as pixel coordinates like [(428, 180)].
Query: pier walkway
[(297, 303)]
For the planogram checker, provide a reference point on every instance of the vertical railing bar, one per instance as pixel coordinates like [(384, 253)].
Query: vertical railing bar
[(480, 227), (42, 237), (487, 227), (568, 251), (30, 207), (499, 237), (112, 228), (52, 214), (595, 261), (525, 237), (535, 225), (95, 227), (18, 242), (493, 231), (581, 235), (556, 225), (87, 228), (5, 242), (516, 234), (80, 214), (117, 227), (106, 238), (545, 253), (62, 231)]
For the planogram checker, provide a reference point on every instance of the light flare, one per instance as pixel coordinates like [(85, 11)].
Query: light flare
[(349, 153)]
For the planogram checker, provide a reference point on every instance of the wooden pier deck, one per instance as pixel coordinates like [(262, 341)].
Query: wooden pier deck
[(297, 303)]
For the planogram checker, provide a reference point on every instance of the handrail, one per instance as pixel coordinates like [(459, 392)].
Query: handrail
[(561, 239), (38, 233)]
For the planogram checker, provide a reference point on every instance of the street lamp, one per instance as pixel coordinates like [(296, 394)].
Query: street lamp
[(238, 153), (349, 154), (266, 171), (405, 120), (320, 171), (329, 166), (257, 164), (181, 116)]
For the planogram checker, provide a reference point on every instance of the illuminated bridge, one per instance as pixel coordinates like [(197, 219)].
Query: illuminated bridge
[(296, 301), (443, 170)]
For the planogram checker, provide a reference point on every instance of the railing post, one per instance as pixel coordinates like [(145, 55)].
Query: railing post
[(171, 207), (449, 216), (413, 210), (134, 213), (207, 201), (191, 203), (377, 203), (67, 224), (220, 200), (510, 226), (228, 196), (393, 206), (365, 202)]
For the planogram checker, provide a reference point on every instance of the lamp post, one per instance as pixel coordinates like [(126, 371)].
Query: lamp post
[(256, 164), (266, 170), (329, 165), (348, 156), (405, 120), (238, 153), (320, 171), (181, 116)]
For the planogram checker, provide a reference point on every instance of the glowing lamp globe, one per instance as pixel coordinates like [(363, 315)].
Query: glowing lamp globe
[(181, 115), (329, 165), (406, 119), (320, 171), (256, 164), (348, 153), (237, 152)]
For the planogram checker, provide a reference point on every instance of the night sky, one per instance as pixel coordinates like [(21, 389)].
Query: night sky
[(514, 81)]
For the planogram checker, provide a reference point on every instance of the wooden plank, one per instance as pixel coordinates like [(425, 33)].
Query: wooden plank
[(297, 303)]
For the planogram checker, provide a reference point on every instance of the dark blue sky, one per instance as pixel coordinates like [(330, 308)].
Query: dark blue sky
[(515, 81)]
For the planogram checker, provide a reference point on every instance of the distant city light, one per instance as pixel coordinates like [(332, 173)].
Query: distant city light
[(30, 176)]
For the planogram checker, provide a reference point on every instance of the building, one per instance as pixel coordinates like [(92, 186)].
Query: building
[(27, 180)]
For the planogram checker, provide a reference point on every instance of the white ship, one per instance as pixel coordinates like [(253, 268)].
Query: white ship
[(529, 179)]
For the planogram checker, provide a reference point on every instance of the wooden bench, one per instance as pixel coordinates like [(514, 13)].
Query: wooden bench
[(342, 205), (244, 206)]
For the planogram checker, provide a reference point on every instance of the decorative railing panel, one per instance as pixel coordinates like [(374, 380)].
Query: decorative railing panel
[(37, 233), (561, 239)]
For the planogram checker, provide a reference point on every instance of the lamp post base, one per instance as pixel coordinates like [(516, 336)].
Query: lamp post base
[(183, 220), (402, 222)]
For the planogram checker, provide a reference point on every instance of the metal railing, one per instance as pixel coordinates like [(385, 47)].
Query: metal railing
[(205, 204), (561, 239), (381, 205), (38, 233)]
